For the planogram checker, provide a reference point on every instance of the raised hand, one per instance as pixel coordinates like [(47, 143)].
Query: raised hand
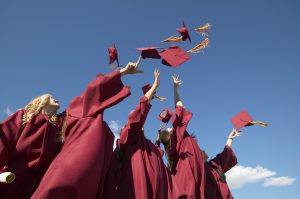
[(131, 68), (234, 133), (176, 80), (156, 78)]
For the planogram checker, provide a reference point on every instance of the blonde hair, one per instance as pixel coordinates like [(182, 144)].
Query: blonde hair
[(35, 107)]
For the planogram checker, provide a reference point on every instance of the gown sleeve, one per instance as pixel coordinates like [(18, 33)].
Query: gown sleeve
[(225, 160), (103, 92), (180, 121), (135, 123), (9, 130)]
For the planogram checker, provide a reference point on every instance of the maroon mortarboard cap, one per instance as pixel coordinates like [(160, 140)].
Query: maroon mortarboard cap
[(165, 115), (113, 55), (184, 32), (241, 120), (149, 52), (244, 119), (174, 56)]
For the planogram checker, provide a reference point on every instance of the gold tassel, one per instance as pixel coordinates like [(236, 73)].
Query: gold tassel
[(199, 47), (259, 123), (173, 39), (204, 30), (160, 98)]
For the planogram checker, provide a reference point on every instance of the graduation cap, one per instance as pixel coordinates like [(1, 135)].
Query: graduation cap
[(244, 119), (174, 56), (147, 87), (184, 32), (149, 52), (165, 115), (113, 55)]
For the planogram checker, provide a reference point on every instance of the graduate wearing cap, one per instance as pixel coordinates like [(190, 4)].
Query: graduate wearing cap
[(137, 169), (185, 158), (79, 170), (216, 186)]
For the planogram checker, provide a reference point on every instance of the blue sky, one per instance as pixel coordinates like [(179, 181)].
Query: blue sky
[(252, 63)]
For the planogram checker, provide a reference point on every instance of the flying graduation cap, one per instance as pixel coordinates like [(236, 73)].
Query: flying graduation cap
[(174, 56), (184, 34), (244, 119), (149, 52), (113, 56), (165, 115), (147, 87)]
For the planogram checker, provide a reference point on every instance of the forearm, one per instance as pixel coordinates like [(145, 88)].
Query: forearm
[(177, 100), (229, 142), (150, 93)]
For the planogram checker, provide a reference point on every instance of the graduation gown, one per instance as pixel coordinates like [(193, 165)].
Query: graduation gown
[(79, 170), (137, 169), (27, 151), (216, 186), (188, 174)]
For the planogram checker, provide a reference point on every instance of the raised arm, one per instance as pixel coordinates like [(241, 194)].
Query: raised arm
[(103, 92), (233, 134), (151, 92), (177, 83)]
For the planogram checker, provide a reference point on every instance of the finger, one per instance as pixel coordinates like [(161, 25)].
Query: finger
[(138, 61)]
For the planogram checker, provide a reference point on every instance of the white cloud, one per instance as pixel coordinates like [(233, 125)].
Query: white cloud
[(8, 111), (240, 175), (115, 126), (279, 181)]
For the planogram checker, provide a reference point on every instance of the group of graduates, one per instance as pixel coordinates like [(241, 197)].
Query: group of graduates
[(70, 155)]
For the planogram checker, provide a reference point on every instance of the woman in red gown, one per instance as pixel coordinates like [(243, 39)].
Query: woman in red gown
[(79, 170), (185, 159), (216, 186), (28, 144), (137, 169)]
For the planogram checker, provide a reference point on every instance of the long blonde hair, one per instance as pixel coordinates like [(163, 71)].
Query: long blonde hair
[(35, 107)]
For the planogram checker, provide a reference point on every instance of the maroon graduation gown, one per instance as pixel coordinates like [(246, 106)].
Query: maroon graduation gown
[(79, 170), (216, 186), (27, 152), (137, 169), (188, 175)]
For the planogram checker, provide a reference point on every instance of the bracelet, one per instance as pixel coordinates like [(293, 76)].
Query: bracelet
[(230, 138)]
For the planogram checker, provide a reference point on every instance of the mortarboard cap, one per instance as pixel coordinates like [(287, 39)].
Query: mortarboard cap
[(165, 115), (149, 52), (184, 32), (147, 87), (174, 56), (244, 119), (113, 55)]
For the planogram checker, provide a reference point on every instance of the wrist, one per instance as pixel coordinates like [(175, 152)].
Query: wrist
[(123, 72)]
